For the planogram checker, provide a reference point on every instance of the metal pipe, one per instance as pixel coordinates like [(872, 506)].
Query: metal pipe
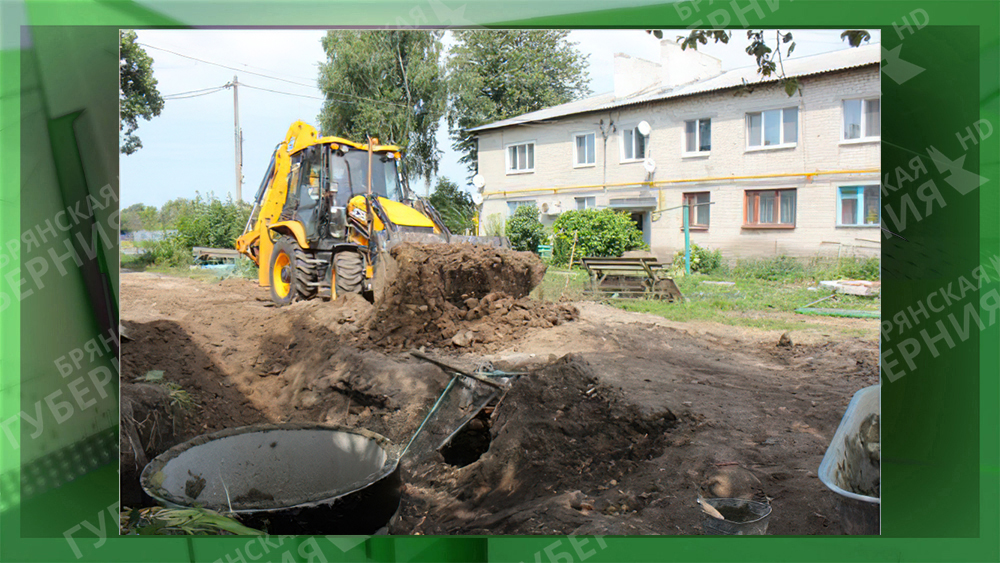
[(682, 181)]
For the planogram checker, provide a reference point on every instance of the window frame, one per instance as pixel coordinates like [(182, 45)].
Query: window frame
[(843, 121), (781, 129), (697, 140), (861, 206), (777, 206), (621, 144), (518, 203), (693, 211), (576, 201), (576, 154), (506, 153)]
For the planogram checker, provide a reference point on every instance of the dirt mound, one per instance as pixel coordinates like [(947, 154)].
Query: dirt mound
[(459, 295), (556, 430)]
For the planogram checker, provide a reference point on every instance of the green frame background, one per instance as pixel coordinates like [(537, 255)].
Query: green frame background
[(941, 421)]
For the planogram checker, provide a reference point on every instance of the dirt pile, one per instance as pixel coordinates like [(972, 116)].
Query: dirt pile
[(557, 431), (459, 295)]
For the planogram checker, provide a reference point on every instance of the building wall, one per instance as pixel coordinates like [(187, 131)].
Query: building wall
[(557, 182)]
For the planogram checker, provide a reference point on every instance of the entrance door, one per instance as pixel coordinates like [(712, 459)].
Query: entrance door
[(641, 220)]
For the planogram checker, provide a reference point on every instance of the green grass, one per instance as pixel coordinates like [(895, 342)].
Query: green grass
[(756, 303)]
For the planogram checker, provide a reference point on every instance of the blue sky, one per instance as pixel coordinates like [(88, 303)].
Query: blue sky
[(190, 148)]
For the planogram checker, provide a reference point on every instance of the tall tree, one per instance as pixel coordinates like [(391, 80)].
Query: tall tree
[(137, 93), (493, 75), (454, 204), (387, 84)]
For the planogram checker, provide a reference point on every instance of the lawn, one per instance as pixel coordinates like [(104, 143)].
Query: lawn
[(741, 301)]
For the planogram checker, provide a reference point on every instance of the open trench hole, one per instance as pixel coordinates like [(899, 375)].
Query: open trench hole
[(471, 442)]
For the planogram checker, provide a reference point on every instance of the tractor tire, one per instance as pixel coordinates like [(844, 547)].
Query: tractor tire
[(349, 270), (292, 277)]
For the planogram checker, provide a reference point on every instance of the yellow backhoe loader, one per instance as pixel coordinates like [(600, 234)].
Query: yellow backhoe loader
[(327, 212)]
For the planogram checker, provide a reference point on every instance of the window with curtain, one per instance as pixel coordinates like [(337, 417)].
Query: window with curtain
[(764, 208), (584, 151), (858, 205), (862, 119), (698, 135), (773, 128), (521, 157), (699, 209)]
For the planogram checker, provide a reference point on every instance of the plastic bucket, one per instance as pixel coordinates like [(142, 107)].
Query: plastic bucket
[(848, 470), (742, 517)]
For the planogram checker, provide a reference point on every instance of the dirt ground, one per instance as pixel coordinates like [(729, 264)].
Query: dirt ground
[(624, 419)]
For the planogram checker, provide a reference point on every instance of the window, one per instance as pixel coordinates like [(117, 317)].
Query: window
[(769, 208), (521, 158), (698, 135), (699, 209), (586, 203), (633, 145), (773, 128), (858, 205), (513, 205), (862, 119), (583, 149)]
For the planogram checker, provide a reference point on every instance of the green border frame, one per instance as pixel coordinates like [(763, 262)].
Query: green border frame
[(941, 421)]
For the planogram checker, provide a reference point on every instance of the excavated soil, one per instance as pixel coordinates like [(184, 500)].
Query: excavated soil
[(462, 295), (622, 421)]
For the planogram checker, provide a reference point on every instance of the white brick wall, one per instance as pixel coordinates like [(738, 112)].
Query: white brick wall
[(819, 150)]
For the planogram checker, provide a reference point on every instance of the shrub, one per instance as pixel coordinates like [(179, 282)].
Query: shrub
[(494, 226), (170, 251), (600, 232), (703, 260), (524, 230), (213, 223)]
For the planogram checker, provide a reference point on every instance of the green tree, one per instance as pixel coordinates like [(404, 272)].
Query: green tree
[(454, 204), (137, 93), (524, 230), (493, 75), (173, 210), (599, 232), (139, 217), (387, 84)]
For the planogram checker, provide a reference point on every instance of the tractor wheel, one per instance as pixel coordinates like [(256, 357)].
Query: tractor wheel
[(349, 270), (292, 276)]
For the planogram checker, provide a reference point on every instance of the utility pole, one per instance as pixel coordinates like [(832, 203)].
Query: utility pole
[(239, 141)]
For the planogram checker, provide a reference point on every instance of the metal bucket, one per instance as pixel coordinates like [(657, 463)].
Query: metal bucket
[(742, 517), (294, 479)]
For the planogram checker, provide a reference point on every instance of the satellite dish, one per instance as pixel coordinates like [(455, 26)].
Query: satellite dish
[(478, 181), (644, 128), (650, 165), (477, 198)]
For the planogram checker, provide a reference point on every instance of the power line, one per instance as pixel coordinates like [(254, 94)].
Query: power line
[(195, 93), (288, 93), (227, 66), (274, 78)]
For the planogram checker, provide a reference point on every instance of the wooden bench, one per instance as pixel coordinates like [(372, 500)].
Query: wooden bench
[(630, 278)]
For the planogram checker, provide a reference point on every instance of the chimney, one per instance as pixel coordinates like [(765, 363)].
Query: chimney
[(633, 74), (679, 67)]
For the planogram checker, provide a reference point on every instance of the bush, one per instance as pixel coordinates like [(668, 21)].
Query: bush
[(524, 230), (703, 260), (170, 251), (600, 232), (213, 223)]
